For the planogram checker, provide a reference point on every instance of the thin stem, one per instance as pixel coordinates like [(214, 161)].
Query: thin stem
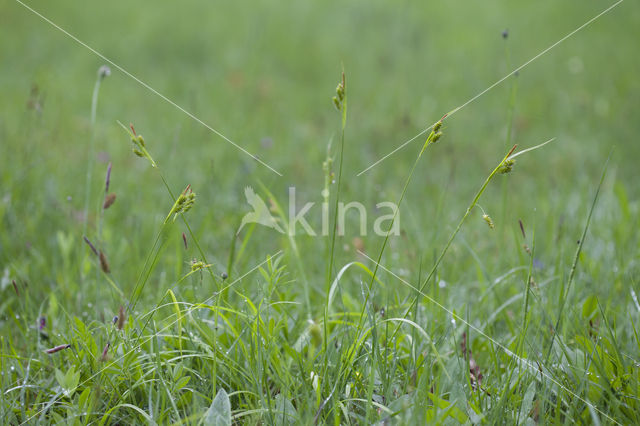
[(432, 137), (455, 232), (329, 272), (90, 159), (575, 261)]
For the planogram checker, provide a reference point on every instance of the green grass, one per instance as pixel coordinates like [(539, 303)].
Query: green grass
[(458, 323)]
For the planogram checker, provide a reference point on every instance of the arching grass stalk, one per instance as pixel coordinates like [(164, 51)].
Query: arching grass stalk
[(182, 203), (505, 166), (433, 137)]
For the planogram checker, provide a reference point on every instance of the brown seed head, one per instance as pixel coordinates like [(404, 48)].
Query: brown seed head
[(104, 264), (91, 246), (57, 349), (109, 199), (121, 318)]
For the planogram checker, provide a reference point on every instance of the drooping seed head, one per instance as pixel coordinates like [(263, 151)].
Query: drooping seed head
[(487, 219), (336, 103), (107, 180), (57, 349), (121, 318), (109, 199), (91, 246), (104, 263), (522, 229)]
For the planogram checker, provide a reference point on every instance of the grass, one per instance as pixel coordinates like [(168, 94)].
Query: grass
[(187, 321)]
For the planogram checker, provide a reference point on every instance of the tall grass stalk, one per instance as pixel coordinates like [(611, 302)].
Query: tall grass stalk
[(153, 255), (103, 72), (473, 203), (346, 360), (341, 97)]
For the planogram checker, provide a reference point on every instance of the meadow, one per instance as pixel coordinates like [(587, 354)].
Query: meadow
[(132, 291)]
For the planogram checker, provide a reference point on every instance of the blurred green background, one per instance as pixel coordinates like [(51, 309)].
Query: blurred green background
[(263, 74)]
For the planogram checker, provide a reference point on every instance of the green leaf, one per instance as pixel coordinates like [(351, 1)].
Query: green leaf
[(527, 403), (68, 382), (450, 410), (285, 413), (182, 382), (219, 414), (60, 378), (84, 399), (589, 307)]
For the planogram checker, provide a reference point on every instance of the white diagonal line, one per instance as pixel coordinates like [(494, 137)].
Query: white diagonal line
[(207, 300), (145, 85), (495, 342), (453, 111)]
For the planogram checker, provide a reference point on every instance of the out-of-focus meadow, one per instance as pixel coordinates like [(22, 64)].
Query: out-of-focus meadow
[(263, 74)]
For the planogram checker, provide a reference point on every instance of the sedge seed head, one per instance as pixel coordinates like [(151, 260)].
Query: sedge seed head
[(506, 166), (91, 246), (340, 91), (104, 263), (489, 221), (183, 203), (336, 103), (109, 199), (57, 349), (197, 265), (121, 319), (107, 179)]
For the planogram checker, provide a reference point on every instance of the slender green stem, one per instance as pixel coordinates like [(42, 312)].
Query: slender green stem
[(432, 137), (527, 289), (576, 257), (329, 272), (455, 232), (90, 159)]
